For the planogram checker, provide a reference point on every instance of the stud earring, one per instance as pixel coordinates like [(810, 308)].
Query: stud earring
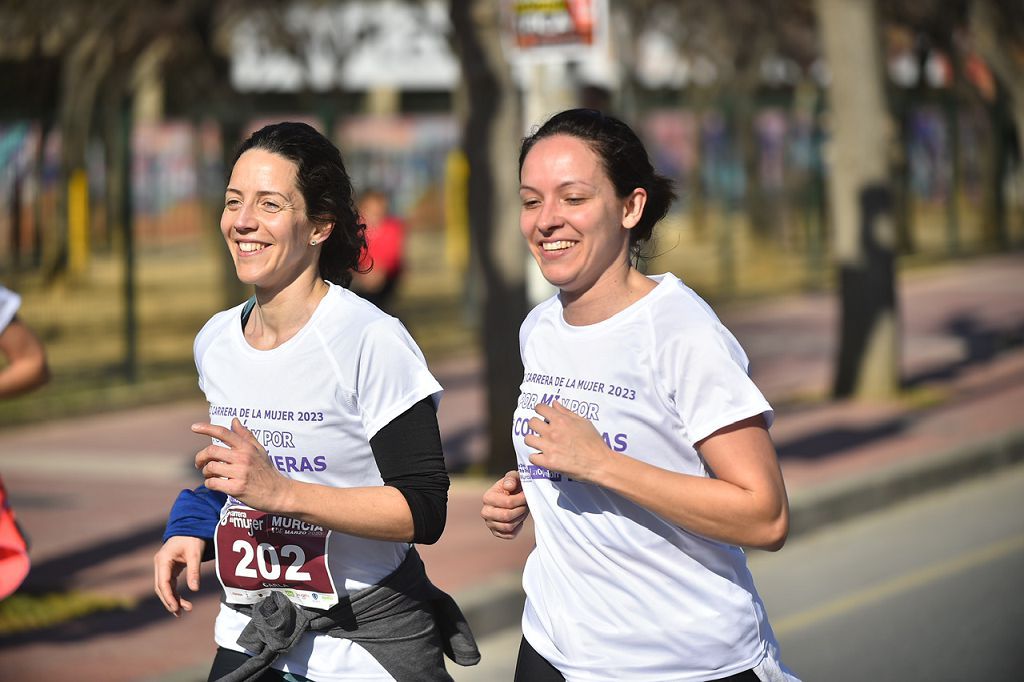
[(313, 243)]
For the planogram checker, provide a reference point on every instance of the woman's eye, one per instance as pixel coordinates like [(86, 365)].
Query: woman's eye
[(530, 203), (270, 207), (232, 203), (574, 200)]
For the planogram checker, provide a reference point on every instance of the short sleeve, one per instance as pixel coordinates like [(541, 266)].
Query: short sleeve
[(197, 358), (707, 380), (200, 346), (205, 338), (392, 374)]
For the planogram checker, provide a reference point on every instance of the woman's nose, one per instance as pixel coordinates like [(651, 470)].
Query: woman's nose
[(548, 218), (245, 219)]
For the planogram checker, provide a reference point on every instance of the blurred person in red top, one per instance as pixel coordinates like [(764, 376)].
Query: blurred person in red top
[(381, 267)]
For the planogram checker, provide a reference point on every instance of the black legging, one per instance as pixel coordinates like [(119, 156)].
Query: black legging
[(228, 660), (532, 667)]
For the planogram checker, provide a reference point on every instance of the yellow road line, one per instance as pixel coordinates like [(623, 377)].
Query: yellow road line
[(903, 583)]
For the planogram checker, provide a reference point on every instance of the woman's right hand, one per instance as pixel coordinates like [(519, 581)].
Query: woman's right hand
[(505, 508), (180, 552)]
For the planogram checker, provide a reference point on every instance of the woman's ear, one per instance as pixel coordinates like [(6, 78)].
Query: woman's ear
[(633, 208), (320, 232)]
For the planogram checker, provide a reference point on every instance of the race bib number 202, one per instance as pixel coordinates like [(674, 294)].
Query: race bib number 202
[(258, 553)]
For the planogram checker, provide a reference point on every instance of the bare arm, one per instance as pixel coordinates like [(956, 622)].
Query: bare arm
[(244, 471), (27, 368), (745, 504)]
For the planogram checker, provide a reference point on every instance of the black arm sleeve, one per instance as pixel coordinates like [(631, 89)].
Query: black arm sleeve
[(409, 456)]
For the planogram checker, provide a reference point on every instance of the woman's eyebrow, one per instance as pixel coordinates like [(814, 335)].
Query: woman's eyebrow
[(268, 192), (261, 193), (561, 185)]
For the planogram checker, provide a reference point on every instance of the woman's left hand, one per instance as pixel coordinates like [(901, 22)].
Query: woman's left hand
[(567, 443), (240, 467)]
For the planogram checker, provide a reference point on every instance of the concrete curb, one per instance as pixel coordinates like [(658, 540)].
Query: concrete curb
[(829, 503), (498, 604)]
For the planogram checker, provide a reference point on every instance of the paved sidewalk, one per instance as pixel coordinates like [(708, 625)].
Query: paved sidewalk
[(93, 493)]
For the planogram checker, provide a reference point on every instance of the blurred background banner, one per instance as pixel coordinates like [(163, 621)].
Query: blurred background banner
[(118, 120), (568, 26)]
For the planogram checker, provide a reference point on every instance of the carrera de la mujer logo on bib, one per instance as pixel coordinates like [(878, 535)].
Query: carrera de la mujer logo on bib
[(258, 553), (532, 472)]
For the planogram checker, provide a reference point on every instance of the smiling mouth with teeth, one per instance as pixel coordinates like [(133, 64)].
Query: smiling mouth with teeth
[(557, 246), (250, 247)]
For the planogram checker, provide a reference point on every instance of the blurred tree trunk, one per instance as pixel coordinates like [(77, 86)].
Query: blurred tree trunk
[(742, 95), (998, 162), (861, 199), (490, 135), (117, 137), (985, 19), (84, 67), (985, 16)]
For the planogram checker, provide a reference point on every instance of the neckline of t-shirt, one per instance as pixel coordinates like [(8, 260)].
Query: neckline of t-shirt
[(239, 332), (663, 280)]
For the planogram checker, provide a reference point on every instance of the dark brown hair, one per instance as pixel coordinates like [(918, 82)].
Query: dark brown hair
[(326, 189)]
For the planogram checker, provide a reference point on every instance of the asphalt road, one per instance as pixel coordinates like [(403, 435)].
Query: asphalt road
[(932, 589), (929, 590)]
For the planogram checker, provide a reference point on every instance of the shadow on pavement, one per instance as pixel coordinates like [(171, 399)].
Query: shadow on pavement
[(832, 441), (58, 573), (98, 625), (982, 343)]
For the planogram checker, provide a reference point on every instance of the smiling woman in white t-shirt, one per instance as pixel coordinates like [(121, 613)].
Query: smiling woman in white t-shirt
[(325, 463), (643, 447)]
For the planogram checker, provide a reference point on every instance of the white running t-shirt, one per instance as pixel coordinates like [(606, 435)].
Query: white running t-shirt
[(314, 402), (614, 591)]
